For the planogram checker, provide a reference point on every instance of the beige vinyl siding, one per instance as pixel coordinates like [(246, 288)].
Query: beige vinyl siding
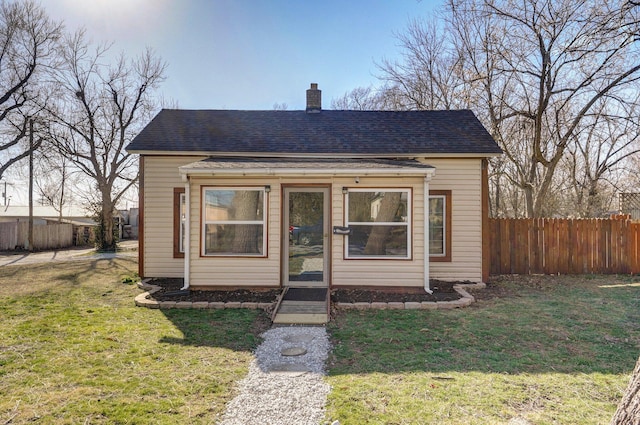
[(379, 272), (160, 178), (235, 271), (463, 178), (248, 271)]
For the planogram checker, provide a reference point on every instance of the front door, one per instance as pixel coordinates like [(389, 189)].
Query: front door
[(306, 233)]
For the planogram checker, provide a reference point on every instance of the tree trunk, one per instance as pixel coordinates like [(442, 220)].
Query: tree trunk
[(106, 240), (245, 206), (628, 412), (30, 234), (528, 196), (388, 208), (63, 182)]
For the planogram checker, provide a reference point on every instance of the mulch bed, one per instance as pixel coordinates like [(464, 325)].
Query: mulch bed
[(170, 291), (442, 291)]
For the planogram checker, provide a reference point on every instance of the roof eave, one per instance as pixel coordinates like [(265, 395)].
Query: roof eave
[(317, 155), (234, 172)]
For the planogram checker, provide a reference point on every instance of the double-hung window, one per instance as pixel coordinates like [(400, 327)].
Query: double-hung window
[(233, 221), (380, 223)]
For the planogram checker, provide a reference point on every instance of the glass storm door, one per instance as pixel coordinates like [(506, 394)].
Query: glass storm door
[(306, 221)]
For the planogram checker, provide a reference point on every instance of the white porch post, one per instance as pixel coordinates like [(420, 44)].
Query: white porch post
[(427, 286), (187, 230)]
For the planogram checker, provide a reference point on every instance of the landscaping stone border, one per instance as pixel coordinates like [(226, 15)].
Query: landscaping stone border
[(465, 300), (142, 301)]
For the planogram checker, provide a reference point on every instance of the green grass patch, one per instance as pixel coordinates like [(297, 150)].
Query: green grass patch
[(74, 349), (551, 350)]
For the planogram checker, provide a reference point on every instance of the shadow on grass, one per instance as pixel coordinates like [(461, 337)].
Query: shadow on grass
[(584, 328), (235, 329), (80, 286), (43, 279), (82, 270)]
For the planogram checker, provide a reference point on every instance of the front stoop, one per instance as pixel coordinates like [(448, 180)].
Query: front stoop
[(294, 312), (301, 313)]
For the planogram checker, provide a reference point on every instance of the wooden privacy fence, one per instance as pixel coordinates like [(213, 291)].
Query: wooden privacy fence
[(565, 246), (45, 236)]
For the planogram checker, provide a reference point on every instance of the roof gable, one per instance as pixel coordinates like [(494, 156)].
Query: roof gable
[(381, 133)]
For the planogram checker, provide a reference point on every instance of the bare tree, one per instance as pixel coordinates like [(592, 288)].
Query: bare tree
[(598, 155), (358, 99), (553, 62), (429, 74), (27, 47), (376, 243), (246, 205), (54, 180), (100, 110), (534, 71)]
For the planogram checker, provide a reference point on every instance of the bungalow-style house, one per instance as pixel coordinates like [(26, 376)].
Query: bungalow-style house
[(314, 198)]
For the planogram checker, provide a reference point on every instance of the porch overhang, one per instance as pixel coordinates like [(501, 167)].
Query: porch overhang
[(224, 167)]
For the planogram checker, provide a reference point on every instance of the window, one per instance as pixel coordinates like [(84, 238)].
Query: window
[(380, 221), (179, 222), (234, 221), (440, 225)]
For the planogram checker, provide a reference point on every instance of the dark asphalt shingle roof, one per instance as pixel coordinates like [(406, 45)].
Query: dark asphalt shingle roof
[(327, 132), (232, 163)]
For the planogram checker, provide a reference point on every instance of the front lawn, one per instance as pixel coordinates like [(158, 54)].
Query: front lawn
[(548, 350), (75, 350)]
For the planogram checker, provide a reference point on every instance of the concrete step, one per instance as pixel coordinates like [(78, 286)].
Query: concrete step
[(301, 318), (302, 312)]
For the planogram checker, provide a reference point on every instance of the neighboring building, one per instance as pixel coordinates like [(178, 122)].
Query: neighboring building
[(313, 198), (81, 231), (127, 221), (45, 215)]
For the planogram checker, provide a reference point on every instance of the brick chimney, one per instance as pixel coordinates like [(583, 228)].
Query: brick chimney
[(314, 99)]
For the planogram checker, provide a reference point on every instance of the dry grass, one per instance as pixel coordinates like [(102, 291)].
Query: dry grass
[(548, 350), (74, 349), (542, 349)]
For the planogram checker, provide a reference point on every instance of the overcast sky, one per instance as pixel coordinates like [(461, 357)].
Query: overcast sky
[(241, 54)]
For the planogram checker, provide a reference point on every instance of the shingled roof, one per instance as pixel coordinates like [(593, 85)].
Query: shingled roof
[(342, 133)]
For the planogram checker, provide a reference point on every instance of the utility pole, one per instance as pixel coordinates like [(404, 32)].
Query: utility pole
[(30, 237)]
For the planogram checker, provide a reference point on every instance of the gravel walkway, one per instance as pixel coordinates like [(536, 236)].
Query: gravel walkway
[(284, 388)]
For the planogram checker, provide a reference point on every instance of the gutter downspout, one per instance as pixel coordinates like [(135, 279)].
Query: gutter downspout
[(187, 229), (427, 286)]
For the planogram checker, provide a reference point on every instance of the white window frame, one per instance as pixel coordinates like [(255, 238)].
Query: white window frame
[(262, 222), (408, 223)]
